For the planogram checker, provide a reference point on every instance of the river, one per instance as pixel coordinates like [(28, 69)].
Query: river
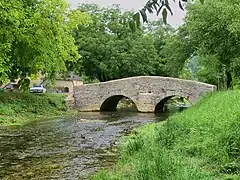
[(66, 148)]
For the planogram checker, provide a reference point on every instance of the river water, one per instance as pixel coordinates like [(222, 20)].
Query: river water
[(71, 148)]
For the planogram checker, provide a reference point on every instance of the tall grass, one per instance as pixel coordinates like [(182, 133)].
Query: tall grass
[(16, 107), (200, 143)]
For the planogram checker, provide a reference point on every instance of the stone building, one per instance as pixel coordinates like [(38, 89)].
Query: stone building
[(11, 87), (65, 83)]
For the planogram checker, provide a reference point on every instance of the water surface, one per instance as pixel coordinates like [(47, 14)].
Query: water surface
[(72, 148)]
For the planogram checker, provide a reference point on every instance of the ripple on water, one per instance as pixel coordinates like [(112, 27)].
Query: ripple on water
[(65, 148)]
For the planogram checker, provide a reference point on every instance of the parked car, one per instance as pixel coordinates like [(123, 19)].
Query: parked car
[(38, 89)]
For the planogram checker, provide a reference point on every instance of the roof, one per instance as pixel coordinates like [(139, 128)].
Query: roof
[(10, 85), (69, 77), (77, 78)]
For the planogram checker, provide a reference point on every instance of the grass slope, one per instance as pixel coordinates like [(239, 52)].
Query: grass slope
[(20, 108), (201, 143)]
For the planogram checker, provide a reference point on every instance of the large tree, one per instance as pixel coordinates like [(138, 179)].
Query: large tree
[(216, 37), (110, 50), (176, 51), (36, 36)]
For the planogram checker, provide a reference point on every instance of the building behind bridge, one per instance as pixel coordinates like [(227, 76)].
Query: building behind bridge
[(65, 83)]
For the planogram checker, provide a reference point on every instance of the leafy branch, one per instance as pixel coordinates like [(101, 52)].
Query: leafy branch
[(158, 6)]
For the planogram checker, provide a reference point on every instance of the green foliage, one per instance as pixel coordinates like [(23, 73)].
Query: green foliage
[(187, 71), (111, 51), (159, 6), (201, 143), (211, 70), (186, 74), (215, 34), (15, 106), (36, 36), (88, 80), (176, 51)]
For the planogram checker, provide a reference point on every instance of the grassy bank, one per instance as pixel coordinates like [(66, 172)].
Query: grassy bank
[(21, 108), (201, 143)]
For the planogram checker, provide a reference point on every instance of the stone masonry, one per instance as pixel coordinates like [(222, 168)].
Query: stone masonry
[(145, 91)]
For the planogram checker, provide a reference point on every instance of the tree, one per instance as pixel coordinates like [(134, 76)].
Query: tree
[(110, 50), (176, 51), (190, 69), (160, 33), (36, 36), (210, 70), (216, 35)]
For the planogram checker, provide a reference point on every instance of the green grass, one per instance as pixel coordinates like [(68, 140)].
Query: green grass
[(21, 108), (201, 143)]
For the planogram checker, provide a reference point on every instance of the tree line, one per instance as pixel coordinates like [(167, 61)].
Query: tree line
[(110, 50), (100, 44)]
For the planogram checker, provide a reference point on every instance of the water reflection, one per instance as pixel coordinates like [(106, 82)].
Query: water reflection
[(65, 148)]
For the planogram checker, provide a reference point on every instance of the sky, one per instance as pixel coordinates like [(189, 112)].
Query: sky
[(175, 20)]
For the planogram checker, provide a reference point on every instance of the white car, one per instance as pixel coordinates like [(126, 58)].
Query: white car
[(38, 89)]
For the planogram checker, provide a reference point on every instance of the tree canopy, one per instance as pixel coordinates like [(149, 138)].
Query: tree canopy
[(98, 43), (110, 50), (36, 36), (215, 37)]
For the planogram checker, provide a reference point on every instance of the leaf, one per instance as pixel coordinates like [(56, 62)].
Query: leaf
[(132, 25), (149, 10), (180, 5), (202, 1), (144, 16), (168, 7), (160, 8), (155, 7), (155, 2), (164, 15), (136, 17)]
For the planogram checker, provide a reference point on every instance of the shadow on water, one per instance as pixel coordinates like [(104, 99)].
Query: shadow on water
[(66, 148)]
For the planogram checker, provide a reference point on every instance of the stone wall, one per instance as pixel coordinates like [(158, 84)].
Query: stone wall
[(61, 84), (70, 101), (145, 91)]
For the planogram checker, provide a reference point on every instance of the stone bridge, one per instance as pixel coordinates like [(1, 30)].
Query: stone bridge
[(149, 93)]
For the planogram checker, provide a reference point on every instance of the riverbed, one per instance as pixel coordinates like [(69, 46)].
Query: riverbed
[(66, 148)]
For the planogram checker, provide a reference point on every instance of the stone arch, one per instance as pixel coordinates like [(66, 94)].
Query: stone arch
[(160, 106), (66, 89), (110, 104)]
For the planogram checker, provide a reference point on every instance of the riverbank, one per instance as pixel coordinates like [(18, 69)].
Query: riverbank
[(22, 108), (201, 143)]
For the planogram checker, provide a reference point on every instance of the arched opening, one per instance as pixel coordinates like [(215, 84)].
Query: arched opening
[(118, 102), (66, 89), (172, 103)]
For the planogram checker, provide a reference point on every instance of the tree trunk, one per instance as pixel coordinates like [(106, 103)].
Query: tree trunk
[(229, 80)]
